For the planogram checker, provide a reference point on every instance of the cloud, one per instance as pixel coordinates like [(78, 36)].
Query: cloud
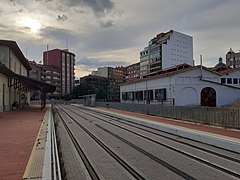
[(111, 31), (79, 11), (106, 24), (44, 0), (92, 63), (99, 7), (57, 34), (62, 17)]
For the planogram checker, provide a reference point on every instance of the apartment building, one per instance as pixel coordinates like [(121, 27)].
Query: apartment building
[(64, 61), (97, 85), (106, 72), (233, 59), (116, 76), (48, 74), (119, 74), (166, 50), (132, 71)]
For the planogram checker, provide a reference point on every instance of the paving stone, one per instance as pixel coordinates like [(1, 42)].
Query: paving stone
[(18, 132)]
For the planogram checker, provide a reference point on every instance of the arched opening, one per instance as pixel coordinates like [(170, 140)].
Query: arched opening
[(208, 97)]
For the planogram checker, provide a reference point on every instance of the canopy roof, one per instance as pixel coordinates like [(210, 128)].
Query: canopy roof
[(30, 83)]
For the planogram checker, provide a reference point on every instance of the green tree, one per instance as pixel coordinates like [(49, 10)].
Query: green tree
[(101, 93), (82, 89)]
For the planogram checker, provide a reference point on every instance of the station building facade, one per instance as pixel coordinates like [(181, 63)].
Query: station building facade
[(11, 60), (15, 84), (185, 85)]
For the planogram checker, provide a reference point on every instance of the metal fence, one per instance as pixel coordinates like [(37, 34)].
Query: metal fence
[(224, 117)]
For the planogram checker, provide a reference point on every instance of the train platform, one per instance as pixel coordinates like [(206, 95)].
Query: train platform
[(18, 132), (217, 136)]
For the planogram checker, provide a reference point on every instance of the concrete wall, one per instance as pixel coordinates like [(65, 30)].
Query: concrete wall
[(178, 50)]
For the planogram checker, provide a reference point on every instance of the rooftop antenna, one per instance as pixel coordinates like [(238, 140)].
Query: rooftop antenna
[(47, 54), (67, 43), (201, 66)]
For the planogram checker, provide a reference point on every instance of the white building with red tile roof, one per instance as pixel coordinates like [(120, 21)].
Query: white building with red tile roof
[(185, 85)]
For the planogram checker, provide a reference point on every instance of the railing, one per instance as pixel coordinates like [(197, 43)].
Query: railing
[(168, 101), (224, 117)]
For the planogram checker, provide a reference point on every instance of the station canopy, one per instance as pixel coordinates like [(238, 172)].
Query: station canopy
[(26, 83)]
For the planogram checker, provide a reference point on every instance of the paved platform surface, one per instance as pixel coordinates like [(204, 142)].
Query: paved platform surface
[(18, 132), (232, 133)]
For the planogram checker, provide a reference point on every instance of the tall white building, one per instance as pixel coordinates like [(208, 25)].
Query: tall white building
[(166, 50)]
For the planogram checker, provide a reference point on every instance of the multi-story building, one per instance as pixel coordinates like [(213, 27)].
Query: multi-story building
[(48, 74), (106, 72), (233, 59), (132, 71), (35, 72), (64, 61), (96, 85), (166, 50), (52, 75), (116, 77), (119, 74)]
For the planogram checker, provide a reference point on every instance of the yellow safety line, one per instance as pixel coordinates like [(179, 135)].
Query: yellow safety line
[(29, 167)]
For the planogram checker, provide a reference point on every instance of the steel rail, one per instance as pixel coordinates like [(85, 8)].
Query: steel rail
[(130, 169), (166, 137), (225, 170), (156, 159), (93, 174)]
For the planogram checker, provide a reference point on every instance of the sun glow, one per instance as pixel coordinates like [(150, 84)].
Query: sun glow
[(33, 25)]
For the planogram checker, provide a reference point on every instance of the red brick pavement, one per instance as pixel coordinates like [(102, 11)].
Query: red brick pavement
[(18, 132), (210, 129)]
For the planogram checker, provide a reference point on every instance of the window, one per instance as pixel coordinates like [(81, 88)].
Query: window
[(130, 95), (124, 96), (229, 80), (148, 95), (235, 81), (223, 80), (160, 94), (139, 95)]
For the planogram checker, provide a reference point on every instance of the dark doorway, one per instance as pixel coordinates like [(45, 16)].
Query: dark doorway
[(208, 97), (3, 97)]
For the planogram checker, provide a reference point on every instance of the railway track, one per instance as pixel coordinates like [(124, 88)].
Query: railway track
[(157, 132), (88, 165), (90, 116)]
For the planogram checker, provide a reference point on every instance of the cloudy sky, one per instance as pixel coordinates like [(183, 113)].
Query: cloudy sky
[(112, 33)]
